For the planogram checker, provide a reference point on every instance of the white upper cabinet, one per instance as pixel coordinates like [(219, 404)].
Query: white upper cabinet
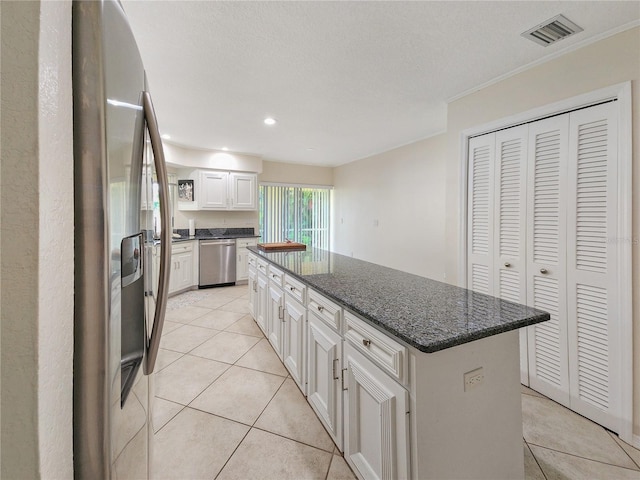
[(214, 190), (243, 191), (221, 190)]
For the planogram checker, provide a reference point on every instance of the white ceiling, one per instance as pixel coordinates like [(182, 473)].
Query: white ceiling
[(344, 80)]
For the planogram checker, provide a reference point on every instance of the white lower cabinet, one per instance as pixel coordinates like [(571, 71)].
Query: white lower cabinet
[(253, 291), (275, 317), (376, 434), (181, 276), (394, 411), (261, 307), (295, 315), (324, 367), (242, 257)]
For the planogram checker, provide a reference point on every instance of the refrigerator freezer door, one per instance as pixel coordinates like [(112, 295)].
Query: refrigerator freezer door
[(112, 396)]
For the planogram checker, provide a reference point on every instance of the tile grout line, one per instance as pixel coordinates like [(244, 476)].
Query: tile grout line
[(584, 458), (174, 416), (535, 459), (623, 449), (233, 453)]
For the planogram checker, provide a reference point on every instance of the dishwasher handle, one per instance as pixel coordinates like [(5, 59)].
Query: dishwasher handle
[(227, 243)]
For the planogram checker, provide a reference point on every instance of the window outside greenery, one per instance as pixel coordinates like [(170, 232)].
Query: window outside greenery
[(299, 214)]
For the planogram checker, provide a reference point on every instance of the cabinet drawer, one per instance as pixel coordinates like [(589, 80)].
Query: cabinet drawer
[(382, 349), (262, 266), (295, 288), (181, 247), (325, 309), (246, 242), (276, 277), (253, 260)]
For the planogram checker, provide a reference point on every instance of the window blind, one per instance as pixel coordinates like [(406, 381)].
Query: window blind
[(296, 213)]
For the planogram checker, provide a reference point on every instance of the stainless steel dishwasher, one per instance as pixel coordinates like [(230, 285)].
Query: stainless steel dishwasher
[(217, 262)]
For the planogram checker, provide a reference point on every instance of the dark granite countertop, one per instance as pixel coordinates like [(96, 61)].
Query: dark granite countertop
[(424, 313), (214, 234)]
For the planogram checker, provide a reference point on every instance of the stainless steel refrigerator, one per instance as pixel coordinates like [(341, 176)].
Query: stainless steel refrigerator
[(119, 312)]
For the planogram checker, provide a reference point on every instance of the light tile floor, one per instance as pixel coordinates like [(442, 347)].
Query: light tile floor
[(226, 408)]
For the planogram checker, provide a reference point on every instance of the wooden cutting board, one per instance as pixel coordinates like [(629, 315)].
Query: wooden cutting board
[(282, 247)]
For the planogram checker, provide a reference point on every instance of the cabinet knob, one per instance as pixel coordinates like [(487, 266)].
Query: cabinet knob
[(507, 264), (293, 289), (320, 308), (543, 271), (366, 342)]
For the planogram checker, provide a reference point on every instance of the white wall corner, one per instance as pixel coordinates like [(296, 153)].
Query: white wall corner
[(55, 245)]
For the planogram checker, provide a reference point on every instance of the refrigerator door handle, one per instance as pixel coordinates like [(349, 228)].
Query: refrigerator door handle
[(153, 343)]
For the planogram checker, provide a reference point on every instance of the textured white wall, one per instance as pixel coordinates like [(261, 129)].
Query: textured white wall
[(37, 240), (19, 248), (278, 172), (55, 246), (197, 158), (389, 208)]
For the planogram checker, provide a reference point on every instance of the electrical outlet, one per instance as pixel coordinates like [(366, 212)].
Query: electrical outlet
[(473, 379)]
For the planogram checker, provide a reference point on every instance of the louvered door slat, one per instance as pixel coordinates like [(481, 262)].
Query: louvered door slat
[(546, 236), (510, 238), (593, 324), (480, 236)]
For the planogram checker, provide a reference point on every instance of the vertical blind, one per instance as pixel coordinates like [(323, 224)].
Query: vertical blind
[(299, 214)]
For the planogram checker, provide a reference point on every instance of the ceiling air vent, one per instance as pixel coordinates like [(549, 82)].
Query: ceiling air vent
[(554, 29)]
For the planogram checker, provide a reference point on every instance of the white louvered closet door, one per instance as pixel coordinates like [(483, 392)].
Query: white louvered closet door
[(546, 254), (591, 260), (510, 261), (480, 214)]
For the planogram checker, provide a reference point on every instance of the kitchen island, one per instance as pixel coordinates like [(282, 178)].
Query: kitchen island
[(423, 376)]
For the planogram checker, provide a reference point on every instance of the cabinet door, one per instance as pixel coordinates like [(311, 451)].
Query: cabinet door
[(275, 318), (185, 269), (243, 191), (253, 292), (181, 271), (376, 420), (546, 254), (262, 304), (242, 266), (174, 275), (480, 213), (324, 364), (214, 192), (293, 340)]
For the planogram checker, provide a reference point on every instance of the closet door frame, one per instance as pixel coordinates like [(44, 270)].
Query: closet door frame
[(622, 93)]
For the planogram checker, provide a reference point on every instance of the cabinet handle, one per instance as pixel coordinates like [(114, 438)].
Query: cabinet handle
[(293, 289), (507, 264), (543, 271), (335, 370), (366, 342), (343, 387), (280, 312), (255, 286), (320, 308)]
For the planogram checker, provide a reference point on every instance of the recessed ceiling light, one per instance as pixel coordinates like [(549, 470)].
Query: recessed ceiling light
[(166, 137), (270, 121), (225, 149), (310, 149)]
